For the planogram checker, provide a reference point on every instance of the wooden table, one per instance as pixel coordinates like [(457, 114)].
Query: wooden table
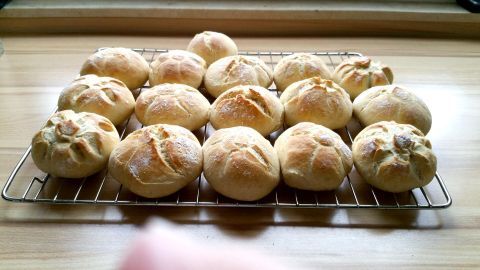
[(445, 73)]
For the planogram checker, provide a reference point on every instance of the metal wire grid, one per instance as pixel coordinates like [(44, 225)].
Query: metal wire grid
[(28, 184)]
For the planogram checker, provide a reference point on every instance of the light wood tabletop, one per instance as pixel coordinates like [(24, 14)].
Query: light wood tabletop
[(445, 73)]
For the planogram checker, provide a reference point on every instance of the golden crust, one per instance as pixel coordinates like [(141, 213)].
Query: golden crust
[(318, 101), (74, 145), (248, 105), (175, 104), (178, 66), (298, 67), (313, 157), (236, 70), (394, 157), (157, 160), (392, 103), (239, 163), (212, 46), (120, 63), (357, 74)]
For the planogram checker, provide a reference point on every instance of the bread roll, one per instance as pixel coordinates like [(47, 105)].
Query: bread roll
[(313, 157), (239, 163), (212, 46), (318, 101), (175, 104), (297, 67), (120, 63), (394, 157), (157, 160), (237, 70), (74, 145), (178, 66), (248, 105), (357, 74), (105, 96), (392, 103)]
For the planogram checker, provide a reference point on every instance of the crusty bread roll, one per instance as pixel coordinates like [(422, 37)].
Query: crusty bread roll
[(392, 103), (175, 104), (212, 46), (316, 100), (239, 163), (357, 74), (120, 63), (105, 96), (236, 70), (178, 66), (248, 105), (297, 67), (394, 157), (74, 145), (313, 157), (157, 160)]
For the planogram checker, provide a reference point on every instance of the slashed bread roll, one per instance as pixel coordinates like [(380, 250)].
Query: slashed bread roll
[(394, 157), (177, 66), (248, 105), (157, 160), (120, 63), (105, 96), (74, 145), (357, 74), (212, 46), (236, 70), (318, 101), (239, 163), (313, 157), (176, 104), (297, 67), (392, 103)]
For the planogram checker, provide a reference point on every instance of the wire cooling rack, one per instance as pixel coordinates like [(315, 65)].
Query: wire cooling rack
[(26, 183)]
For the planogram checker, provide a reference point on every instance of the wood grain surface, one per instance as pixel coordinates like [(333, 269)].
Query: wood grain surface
[(445, 73)]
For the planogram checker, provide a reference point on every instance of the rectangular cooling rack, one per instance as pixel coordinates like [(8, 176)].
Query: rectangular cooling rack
[(27, 183)]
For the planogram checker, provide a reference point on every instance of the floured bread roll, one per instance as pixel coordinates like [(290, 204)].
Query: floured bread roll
[(239, 163), (178, 66), (105, 96), (318, 101), (313, 157), (297, 67), (236, 70), (74, 145), (175, 104), (212, 46), (248, 105), (120, 63), (157, 160), (394, 157), (357, 74), (392, 103)]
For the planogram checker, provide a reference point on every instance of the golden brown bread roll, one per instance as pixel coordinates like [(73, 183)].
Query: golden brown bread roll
[(236, 70), (120, 63), (297, 67), (175, 104), (212, 46), (74, 145), (178, 66), (318, 101), (357, 74), (239, 163), (394, 157), (313, 157), (248, 105), (105, 96), (157, 160), (392, 103)]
